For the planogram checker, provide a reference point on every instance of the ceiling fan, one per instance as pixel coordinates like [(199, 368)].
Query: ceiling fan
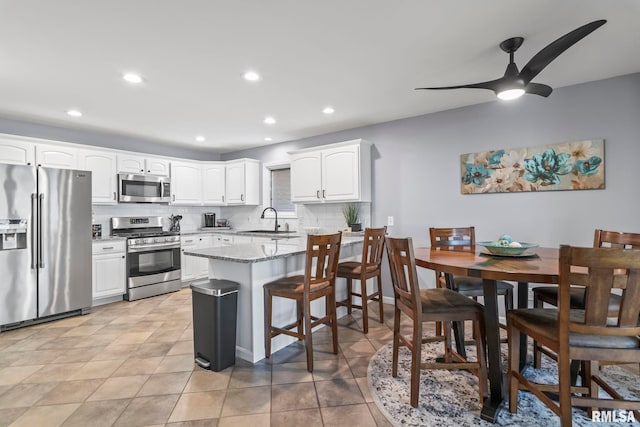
[(516, 83)]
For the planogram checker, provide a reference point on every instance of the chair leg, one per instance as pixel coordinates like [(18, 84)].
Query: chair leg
[(590, 367), (334, 320), (267, 323), (380, 302), (513, 336), (537, 354), (364, 302), (308, 342), (416, 355), (300, 318), (482, 357), (396, 342), (564, 386), (447, 341), (349, 297)]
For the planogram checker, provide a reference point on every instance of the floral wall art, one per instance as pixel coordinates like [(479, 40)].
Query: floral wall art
[(575, 165)]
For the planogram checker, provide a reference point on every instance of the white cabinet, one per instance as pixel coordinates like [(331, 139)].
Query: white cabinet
[(109, 268), (128, 163), (213, 183), (332, 173), (16, 152), (186, 183), (243, 182), (192, 267), (56, 156), (102, 164)]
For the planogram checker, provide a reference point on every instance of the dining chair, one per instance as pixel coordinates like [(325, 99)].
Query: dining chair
[(317, 281), (430, 305), (367, 268), (549, 294), (589, 335), (464, 239)]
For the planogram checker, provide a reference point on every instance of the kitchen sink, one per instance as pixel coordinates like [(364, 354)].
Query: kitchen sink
[(269, 231)]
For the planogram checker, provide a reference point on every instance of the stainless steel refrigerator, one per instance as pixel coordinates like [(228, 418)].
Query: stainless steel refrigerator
[(45, 244)]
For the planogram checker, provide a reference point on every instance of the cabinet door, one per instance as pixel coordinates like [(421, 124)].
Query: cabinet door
[(235, 183), (341, 174), (109, 275), (17, 152), (203, 263), (103, 169), (188, 263), (156, 166), (53, 156), (306, 176), (186, 183), (213, 191), (130, 164)]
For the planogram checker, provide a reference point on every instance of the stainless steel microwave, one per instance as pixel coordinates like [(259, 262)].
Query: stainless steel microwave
[(144, 188)]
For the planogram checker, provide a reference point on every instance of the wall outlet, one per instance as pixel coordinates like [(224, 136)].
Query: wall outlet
[(389, 221)]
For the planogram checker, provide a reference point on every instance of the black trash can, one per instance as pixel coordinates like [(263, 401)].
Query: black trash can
[(214, 323)]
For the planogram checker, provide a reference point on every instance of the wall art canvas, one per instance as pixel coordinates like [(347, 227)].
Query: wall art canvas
[(575, 165)]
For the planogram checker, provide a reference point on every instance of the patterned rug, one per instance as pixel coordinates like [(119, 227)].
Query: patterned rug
[(450, 398)]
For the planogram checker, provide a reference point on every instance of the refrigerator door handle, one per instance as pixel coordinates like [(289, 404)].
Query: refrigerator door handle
[(34, 231), (41, 233)]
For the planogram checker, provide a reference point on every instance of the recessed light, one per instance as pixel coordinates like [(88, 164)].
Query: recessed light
[(74, 113), (132, 78), (328, 110), (251, 76), (268, 139), (200, 138), (269, 120)]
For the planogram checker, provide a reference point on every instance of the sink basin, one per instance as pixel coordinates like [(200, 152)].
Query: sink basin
[(268, 231)]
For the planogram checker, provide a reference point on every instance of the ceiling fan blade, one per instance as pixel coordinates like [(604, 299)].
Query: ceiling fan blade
[(491, 85), (554, 49), (538, 89)]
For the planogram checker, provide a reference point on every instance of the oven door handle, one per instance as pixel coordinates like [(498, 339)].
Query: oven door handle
[(153, 247)]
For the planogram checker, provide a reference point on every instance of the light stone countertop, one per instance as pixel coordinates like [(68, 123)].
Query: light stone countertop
[(108, 238), (228, 231), (257, 252)]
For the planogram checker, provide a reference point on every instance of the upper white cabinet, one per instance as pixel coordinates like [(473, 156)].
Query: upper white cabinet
[(186, 183), (213, 183), (332, 173), (17, 152), (102, 164), (243, 182), (142, 165), (56, 156)]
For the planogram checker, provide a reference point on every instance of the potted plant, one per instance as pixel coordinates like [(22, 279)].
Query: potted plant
[(351, 212)]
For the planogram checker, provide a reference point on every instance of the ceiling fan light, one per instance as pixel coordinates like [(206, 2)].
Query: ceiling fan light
[(509, 94)]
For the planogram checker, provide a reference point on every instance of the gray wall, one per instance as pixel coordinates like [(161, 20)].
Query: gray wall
[(416, 174)]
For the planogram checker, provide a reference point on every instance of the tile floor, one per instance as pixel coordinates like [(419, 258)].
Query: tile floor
[(131, 364)]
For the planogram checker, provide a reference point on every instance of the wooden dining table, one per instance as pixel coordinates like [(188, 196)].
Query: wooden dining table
[(539, 268)]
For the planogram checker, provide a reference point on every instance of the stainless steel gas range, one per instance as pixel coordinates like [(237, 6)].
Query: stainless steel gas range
[(153, 256)]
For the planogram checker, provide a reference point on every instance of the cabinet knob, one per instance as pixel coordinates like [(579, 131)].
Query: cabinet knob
[(317, 194), (122, 256), (242, 197), (324, 195)]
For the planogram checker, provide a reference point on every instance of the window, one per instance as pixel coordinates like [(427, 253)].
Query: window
[(276, 181)]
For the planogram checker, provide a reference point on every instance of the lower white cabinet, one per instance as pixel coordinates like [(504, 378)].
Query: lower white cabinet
[(192, 267), (109, 268)]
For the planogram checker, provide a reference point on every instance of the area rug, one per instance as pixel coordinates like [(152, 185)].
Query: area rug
[(450, 398)]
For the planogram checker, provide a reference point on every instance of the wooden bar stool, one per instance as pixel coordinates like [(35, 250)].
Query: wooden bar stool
[(367, 268), (318, 281)]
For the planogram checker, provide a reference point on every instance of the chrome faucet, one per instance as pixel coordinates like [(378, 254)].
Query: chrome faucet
[(274, 211)]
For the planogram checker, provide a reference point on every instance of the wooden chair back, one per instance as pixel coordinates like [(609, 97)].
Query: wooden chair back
[(321, 266), (608, 268), (372, 248), (453, 239), (616, 239), (404, 276)]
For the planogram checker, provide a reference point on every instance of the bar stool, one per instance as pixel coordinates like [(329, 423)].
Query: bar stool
[(367, 268), (318, 281)]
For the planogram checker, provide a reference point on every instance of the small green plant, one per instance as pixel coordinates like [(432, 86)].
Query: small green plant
[(351, 212)]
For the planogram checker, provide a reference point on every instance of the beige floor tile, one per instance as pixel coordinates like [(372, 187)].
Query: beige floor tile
[(8, 416), (338, 392), (54, 373), (178, 363), (181, 347), (146, 366), (53, 415), (169, 383), (358, 348), (15, 374), (70, 392), (245, 401), (132, 338), (96, 369), (211, 422), (364, 389), (197, 406), (359, 365), (289, 397), (305, 417), (119, 388), (97, 414), (286, 373), (257, 420), (69, 322), (63, 343), (24, 395), (132, 318), (144, 411), (37, 357), (78, 355), (153, 349), (381, 420), (82, 331), (351, 415), (202, 380), (244, 376), (116, 352), (330, 369)]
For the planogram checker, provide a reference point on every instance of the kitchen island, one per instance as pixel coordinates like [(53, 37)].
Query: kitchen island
[(254, 264)]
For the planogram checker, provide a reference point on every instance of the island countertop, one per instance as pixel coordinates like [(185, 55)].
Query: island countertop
[(257, 252)]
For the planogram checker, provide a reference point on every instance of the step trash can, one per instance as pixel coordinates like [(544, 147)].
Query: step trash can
[(214, 323)]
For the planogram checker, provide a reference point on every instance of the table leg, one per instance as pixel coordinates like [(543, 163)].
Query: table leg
[(491, 406), (523, 302)]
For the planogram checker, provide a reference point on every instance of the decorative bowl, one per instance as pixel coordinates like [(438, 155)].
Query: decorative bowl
[(496, 249)]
